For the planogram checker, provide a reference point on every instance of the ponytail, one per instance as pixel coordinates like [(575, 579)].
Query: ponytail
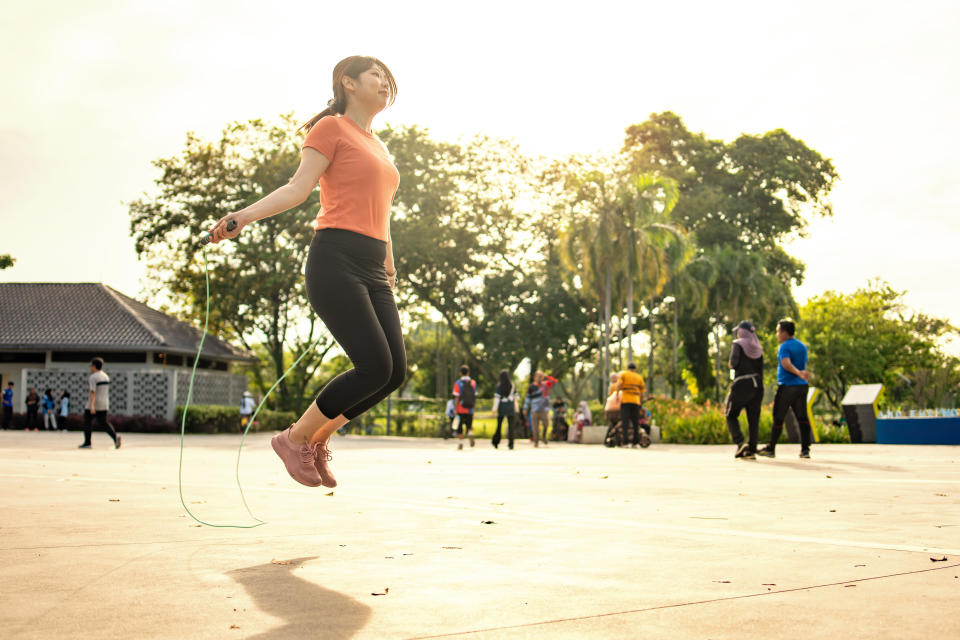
[(333, 108)]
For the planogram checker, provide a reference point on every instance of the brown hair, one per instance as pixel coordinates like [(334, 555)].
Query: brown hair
[(350, 67)]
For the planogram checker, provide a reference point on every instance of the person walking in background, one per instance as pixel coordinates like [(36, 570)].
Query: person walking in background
[(746, 391), (504, 407), (64, 409), (49, 411), (536, 404), (99, 405), (8, 405), (451, 413), (793, 385), (33, 404), (247, 406), (631, 387), (465, 393)]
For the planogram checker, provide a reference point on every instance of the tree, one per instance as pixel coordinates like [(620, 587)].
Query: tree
[(646, 203), (6, 261), (746, 196), (257, 292), (589, 242), (869, 336), (467, 253)]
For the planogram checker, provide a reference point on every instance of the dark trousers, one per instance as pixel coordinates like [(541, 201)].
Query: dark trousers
[(791, 397), (466, 424), (630, 420), (347, 287), (7, 417), (98, 420), (496, 434), (744, 395), (33, 420)]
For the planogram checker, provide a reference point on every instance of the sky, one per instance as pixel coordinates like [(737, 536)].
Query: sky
[(94, 90)]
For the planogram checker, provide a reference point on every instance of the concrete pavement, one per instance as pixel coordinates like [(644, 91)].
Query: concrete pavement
[(564, 541)]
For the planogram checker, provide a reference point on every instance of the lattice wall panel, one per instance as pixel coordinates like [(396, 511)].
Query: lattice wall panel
[(151, 389)]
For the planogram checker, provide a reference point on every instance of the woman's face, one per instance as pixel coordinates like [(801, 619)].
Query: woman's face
[(371, 88)]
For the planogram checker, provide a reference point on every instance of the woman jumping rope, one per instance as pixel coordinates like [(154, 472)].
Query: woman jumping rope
[(350, 274)]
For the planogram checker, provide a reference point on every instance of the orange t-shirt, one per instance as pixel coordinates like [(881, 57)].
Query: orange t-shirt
[(357, 189)]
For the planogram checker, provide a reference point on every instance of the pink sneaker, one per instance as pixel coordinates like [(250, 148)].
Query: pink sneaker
[(321, 455), (298, 459)]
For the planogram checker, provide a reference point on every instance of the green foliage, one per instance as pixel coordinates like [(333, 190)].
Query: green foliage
[(466, 252), (207, 418), (737, 199), (869, 336), (257, 295), (6, 261)]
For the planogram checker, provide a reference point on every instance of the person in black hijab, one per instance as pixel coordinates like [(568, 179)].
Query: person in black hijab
[(746, 392)]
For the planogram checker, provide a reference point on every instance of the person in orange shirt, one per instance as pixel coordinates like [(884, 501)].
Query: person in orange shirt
[(350, 272), (631, 388)]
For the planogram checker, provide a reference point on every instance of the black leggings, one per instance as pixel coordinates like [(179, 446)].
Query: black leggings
[(744, 395), (347, 287)]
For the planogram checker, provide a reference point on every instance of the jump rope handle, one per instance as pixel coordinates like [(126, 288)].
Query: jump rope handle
[(230, 227)]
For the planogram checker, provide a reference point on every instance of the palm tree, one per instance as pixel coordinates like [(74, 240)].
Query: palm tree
[(646, 201), (588, 245)]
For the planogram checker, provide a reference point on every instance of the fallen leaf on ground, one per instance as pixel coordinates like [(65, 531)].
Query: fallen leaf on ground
[(722, 581), (388, 557), (849, 585), (859, 565), (604, 477), (233, 626), (769, 584), (451, 547), (488, 522), (829, 476), (943, 559), (281, 562), (114, 499), (328, 494), (385, 592), (833, 510)]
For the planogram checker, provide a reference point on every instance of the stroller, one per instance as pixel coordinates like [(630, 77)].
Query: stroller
[(617, 436)]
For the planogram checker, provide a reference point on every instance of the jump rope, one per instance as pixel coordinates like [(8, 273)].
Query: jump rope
[(183, 423)]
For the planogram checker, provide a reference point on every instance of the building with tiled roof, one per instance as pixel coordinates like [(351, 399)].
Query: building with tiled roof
[(49, 332)]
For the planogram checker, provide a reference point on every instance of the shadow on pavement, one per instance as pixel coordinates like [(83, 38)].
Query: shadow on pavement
[(309, 611)]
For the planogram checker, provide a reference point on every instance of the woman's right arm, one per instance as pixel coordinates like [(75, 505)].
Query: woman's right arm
[(312, 165)]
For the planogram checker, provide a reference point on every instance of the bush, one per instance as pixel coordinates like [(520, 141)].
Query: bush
[(210, 418), (122, 423), (684, 422)]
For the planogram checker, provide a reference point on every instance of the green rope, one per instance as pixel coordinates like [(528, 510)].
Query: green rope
[(183, 422)]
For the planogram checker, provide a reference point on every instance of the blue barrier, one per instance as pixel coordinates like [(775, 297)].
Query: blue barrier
[(918, 430)]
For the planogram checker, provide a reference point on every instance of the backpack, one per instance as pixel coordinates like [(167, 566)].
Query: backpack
[(468, 395)]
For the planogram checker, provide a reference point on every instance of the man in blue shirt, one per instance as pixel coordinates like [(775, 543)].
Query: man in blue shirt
[(792, 381), (8, 405)]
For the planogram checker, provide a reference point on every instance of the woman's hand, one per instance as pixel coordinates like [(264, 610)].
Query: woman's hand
[(392, 280), (219, 231)]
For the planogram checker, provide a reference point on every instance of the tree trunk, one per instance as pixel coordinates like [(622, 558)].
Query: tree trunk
[(629, 317), (673, 376), (653, 344), (606, 321)]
